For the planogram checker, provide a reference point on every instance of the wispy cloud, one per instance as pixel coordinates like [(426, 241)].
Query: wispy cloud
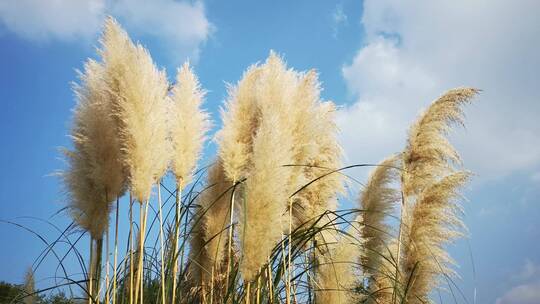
[(44, 20), (180, 26), (526, 292), (339, 19), (416, 50)]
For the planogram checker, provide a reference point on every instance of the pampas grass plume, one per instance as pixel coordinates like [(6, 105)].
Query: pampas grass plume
[(428, 153), (335, 276), (240, 121), (265, 189), (377, 201), (434, 223), (209, 240), (95, 175), (316, 151), (189, 124), (139, 90)]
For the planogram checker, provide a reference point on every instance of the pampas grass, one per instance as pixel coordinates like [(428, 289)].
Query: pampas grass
[(138, 91), (430, 186), (95, 177), (210, 241), (434, 221), (428, 154), (240, 120), (188, 124), (336, 273), (377, 201), (316, 151), (265, 190), (265, 227)]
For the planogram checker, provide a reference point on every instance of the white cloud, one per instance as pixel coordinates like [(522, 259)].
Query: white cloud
[(60, 19), (415, 50), (527, 292), (521, 294), (180, 26), (339, 18)]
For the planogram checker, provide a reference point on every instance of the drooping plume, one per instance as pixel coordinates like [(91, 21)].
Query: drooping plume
[(377, 201), (434, 223), (189, 124), (430, 185), (428, 153), (138, 91)]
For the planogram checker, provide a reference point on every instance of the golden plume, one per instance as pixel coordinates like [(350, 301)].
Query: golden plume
[(316, 151), (267, 182), (430, 185), (209, 237), (377, 201), (434, 222), (428, 153), (336, 272)]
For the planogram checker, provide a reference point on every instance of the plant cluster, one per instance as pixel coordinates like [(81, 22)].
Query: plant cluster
[(265, 226)]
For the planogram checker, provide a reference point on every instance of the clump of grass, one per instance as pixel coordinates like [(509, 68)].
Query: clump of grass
[(265, 227)]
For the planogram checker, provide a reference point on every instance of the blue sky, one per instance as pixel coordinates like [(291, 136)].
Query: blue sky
[(381, 61)]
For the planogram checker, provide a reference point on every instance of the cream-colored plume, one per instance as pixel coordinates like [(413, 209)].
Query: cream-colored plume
[(430, 184), (316, 151), (189, 124), (95, 176), (240, 121), (434, 222), (377, 201), (94, 133), (210, 226), (336, 273), (428, 153), (268, 180), (138, 91), (87, 203)]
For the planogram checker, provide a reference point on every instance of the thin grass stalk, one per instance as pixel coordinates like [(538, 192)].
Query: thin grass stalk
[(131, 249), (162, 246), (270, 284), (115, 267), (91, 272), (212, 284), (99, 254), (139, 286), (230, 237), (398, 256), (176, 236), (248, 292), (107, 262), (284, 261), (289, 268), (138, 282), (258, 289)]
